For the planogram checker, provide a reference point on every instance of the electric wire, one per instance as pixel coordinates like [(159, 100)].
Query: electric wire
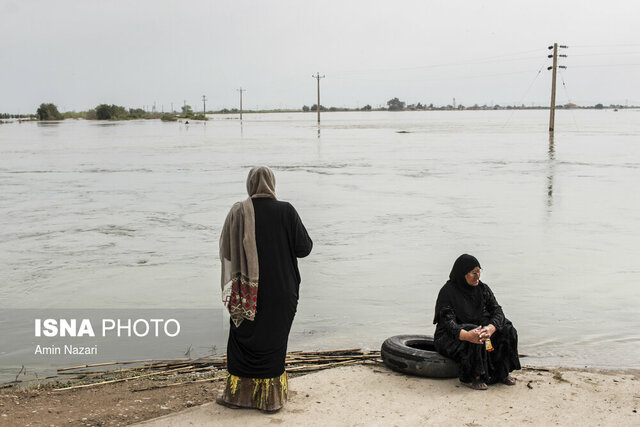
[(495, 58), (386, 75), (564, 85), (604, 45), (525, 94)]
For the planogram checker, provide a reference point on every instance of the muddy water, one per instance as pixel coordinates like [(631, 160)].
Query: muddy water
[(127, 215)]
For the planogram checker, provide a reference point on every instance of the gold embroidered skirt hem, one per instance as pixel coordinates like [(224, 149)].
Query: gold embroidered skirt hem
[(266, 394)]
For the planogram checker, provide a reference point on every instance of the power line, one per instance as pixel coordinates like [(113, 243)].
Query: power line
[(489, 59), (526, 92), (608, 54), (604, 65), (566, 92), (604, 45)]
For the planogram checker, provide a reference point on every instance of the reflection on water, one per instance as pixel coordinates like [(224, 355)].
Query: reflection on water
[(128, 214), (550, 174)]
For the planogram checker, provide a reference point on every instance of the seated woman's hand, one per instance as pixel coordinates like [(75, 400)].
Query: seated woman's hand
[(487, 331), (474, 336)]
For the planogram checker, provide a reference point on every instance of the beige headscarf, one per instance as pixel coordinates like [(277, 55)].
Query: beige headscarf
[(238, 252)]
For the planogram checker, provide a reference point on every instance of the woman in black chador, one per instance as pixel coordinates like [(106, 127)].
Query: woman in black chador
[(261, 240), (467, 316)]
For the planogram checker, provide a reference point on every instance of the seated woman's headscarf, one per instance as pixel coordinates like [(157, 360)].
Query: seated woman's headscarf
[(464, 299), (238, 252)]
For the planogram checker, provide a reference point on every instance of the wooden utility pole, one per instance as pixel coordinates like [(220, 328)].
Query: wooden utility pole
[(318, 77), (204, 104), (554, 67), (552, 116), (241, 90)]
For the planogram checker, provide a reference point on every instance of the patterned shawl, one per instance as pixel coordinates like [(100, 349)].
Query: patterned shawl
[(238, 252)]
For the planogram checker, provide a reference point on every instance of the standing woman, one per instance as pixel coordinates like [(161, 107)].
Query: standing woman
[(261, 240), (467, 315)]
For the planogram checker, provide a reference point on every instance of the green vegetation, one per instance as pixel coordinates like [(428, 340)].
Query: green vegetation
[(17, 116), (187, 111), (111, 112), (118, 112), (48, 112), (74, 115), (166, 117), (91, 115), (137, 113), (395, 104)]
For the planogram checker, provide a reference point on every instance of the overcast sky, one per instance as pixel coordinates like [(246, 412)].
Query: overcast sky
[(78, 54)]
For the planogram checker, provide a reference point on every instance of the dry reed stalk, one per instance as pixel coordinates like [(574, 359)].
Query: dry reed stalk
[(206, 380), (336, 358), (297, 361), (305, 368), (120, 380), (127, 362)]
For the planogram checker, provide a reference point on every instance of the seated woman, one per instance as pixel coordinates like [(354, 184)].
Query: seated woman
[(467, 316)]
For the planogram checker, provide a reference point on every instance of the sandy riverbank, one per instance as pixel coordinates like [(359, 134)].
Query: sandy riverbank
[(350, 395), (374, 395)]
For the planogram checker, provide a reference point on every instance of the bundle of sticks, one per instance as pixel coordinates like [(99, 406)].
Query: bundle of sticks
[(214, 365)]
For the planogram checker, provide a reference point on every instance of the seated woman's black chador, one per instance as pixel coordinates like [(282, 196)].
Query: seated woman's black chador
[(464, 304)]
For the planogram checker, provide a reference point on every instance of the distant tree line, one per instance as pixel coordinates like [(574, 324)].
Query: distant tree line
[(17, 116), (49, 111)]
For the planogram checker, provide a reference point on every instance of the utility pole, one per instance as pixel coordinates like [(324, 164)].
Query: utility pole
[(241, 90), (554, 67), (204, 104), (172, 107), (318, 77)]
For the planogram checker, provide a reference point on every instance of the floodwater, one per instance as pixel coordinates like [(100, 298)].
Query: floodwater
[(127, 215)]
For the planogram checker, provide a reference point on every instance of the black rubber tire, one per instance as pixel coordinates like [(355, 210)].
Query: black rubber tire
[(416, 355)]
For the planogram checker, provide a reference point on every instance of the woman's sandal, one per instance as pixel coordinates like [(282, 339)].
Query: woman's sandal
[(509, 380), (476, 385)]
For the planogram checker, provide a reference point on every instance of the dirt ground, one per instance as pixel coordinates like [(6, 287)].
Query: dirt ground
[(335, 396), (116, 404)]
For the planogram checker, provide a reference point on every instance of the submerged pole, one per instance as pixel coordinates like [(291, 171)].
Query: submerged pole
[(552, 115), (318, 77)]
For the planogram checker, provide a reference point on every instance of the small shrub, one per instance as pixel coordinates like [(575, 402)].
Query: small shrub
[(168, 117)]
